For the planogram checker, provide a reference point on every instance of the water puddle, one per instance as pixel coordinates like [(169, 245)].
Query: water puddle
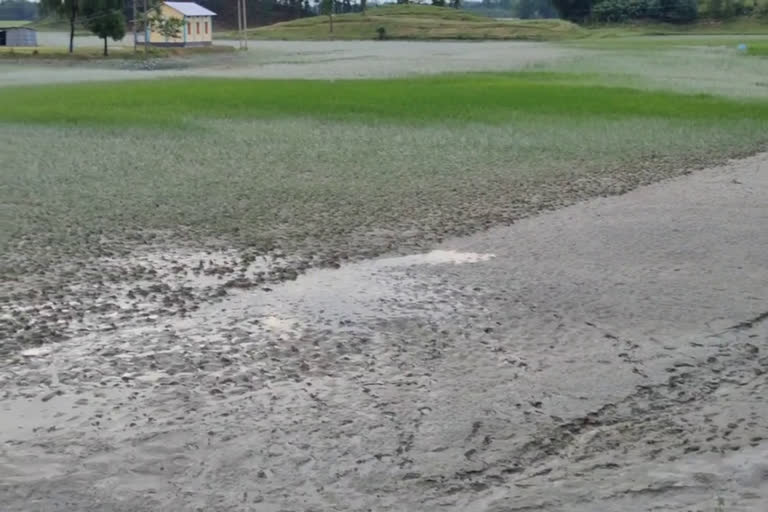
[(336, 298), (437, 257)]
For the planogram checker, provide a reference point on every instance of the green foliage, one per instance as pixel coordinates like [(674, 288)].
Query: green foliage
[(64, 8), (531, 9), (573, 10), (169, 28), (623, 10), (381, 32), (438, 3), (18, 10), (105, 19), (673, 11), (678, 11)]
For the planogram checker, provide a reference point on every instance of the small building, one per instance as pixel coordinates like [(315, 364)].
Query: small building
[(197, 29), (18, 36)]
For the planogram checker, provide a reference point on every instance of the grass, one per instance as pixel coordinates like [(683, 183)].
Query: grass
[(413, 22), (13, 23), (96, 52), (759, 48), (487, 98), (422, 22), (327, 168)]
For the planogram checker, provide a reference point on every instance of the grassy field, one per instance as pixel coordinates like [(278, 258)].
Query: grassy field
[(417, 22), (13, 23), (758, 48), (485, 98), (333, 169)]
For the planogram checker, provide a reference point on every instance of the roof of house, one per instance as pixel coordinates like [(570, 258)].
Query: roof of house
[(190, 9)]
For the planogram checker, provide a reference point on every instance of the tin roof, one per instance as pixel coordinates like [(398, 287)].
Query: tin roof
[(190, 9)]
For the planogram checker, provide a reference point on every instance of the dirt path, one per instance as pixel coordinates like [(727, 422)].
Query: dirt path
[(606, 356)]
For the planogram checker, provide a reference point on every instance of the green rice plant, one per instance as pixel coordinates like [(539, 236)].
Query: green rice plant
[(489, 98)]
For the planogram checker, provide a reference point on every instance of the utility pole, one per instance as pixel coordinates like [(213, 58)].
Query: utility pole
[(240, 24), (146, 31), (245, 25), (135, 13)]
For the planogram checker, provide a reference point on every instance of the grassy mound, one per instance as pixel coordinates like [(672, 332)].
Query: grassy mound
[(415, 22)]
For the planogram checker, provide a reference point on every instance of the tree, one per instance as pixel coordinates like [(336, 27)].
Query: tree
[(68, 8), (456, 4), (327, 7), (438, 3), (573, 10), (105, 19), (363, 4), (17, 10), (169, 28)]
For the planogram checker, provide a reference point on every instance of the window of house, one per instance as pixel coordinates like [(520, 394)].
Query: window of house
[(189, 28), (198, 27), (206, 27)]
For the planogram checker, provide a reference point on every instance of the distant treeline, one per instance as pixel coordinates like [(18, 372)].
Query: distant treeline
[(670, 11), (18, 10), (524, 9)]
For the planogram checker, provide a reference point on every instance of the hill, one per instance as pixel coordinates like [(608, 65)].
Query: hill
[(415, 22)]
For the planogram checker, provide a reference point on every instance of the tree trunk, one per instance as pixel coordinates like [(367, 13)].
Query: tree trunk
[(72, 17), (105, 46), (362, 5)]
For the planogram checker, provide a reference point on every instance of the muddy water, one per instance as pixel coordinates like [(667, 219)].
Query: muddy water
[(608, 356)]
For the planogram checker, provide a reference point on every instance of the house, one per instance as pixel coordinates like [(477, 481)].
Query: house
[(18, 36), (197, 29)]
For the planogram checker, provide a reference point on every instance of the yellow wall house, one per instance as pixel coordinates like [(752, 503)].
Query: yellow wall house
[(197, 29)]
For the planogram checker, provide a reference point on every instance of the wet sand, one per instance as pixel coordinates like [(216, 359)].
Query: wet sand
[(605, 356)]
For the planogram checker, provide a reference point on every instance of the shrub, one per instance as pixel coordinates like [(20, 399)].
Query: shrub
[(573, 10), (382, 32), (619, 10), (673, 11), (678, 11)]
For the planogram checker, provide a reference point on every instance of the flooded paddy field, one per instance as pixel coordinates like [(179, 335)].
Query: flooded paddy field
[(514, 306)]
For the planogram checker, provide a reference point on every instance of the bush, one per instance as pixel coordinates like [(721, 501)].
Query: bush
[(573, 10), (679, 11), (620, 10), (673, 11), (382, 32)]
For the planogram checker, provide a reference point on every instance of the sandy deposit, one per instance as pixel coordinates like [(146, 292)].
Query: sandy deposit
[(606, 356)]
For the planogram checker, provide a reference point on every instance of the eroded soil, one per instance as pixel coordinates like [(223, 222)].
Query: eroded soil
[(605, 356)]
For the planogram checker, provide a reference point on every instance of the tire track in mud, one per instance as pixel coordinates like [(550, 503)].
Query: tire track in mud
[(654, 420)]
